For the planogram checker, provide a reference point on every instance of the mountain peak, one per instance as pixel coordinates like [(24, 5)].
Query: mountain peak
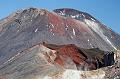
[(35, 43), (76, 14)]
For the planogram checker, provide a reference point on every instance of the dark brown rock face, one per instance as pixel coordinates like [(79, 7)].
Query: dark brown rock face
[(86, 59), (70, 51)]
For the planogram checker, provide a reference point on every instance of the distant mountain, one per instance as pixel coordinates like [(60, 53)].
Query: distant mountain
[(23, 30)]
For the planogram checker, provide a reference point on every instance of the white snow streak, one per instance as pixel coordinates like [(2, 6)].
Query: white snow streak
[(67, 26), (62, 13), (111, 44), (88, 40), (73, 31), (12, 58), (36, 30), (77, 15), (83, 15), (72, 16), (94, 26), (92, 19), (53, 34), (52, 25)]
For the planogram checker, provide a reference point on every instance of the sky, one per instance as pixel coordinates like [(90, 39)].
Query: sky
[(106, 11)]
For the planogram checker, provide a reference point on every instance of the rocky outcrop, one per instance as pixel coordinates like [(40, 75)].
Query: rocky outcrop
[(87, 59)]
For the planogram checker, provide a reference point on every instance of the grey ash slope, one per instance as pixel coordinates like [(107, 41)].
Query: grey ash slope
[(29, 64)]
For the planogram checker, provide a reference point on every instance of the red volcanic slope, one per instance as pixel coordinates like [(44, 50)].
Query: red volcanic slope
[(72, 52)]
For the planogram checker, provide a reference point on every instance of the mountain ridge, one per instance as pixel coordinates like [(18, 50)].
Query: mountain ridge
[(99, 26), (66, 42)]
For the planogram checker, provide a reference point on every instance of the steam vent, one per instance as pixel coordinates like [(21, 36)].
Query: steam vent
[(62, 44)]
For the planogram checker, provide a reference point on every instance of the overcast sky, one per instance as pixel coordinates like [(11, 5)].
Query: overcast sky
[(106, 11)]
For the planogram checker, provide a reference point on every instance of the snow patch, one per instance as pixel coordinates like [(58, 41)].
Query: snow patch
[(62, 13), (83, 15), (111, 44), (72, 16), (52, 25), (53, 34), (73, 31), (92, 19), (77, 15), (67, 26), (88, 40), (36, 30)]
